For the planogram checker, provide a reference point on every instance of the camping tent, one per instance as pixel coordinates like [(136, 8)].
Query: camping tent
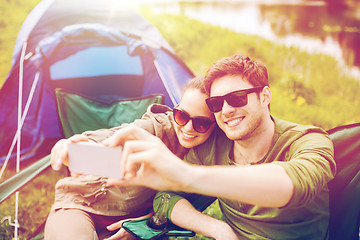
[(99, 49)]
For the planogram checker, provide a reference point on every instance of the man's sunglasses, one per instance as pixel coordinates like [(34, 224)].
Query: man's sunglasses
[(234, 99), (200, 124)]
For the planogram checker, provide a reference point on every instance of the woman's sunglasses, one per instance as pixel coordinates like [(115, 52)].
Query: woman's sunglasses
[(200, 124), (234, 99)]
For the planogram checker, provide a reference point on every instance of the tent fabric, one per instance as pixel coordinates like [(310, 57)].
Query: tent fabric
[(51, 16), (79, 114), (100, 49), (14, 183)]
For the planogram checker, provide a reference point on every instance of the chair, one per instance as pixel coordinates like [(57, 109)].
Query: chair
[(79, 113)]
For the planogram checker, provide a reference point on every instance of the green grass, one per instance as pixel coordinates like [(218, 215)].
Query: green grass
[(307, 88)]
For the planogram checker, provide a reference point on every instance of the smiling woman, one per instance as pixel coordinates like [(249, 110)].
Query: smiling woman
[(194, 120)]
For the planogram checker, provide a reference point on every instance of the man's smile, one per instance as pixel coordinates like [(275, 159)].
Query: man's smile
[(234, 122)]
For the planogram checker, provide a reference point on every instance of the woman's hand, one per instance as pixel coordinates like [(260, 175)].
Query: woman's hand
[(59, 153)]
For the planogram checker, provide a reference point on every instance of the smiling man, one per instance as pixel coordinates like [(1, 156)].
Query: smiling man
[(275, 182)]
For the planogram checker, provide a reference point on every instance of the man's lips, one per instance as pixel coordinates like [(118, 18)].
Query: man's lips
[(234, 122)]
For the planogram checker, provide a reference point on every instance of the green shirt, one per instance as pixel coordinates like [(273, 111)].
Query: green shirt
[(306, 153)]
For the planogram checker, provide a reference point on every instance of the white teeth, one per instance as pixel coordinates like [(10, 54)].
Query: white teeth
[(188, 135), (234, 122)]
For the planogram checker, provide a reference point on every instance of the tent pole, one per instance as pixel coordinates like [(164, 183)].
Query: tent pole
[(21, 75), (27, 106)]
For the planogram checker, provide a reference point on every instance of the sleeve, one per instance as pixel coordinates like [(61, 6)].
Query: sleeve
[(311, 166), (102, 134), (200, 202)]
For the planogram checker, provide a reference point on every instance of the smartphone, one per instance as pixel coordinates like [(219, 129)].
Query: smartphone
[(95, 159), (140, 230)]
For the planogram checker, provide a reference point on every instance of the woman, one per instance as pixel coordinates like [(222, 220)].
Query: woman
[(84, 205)]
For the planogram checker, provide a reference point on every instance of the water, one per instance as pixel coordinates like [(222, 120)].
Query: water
[(312, 25)]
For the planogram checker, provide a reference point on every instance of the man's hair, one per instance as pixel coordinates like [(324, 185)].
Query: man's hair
[(254, 72), (196, 83)]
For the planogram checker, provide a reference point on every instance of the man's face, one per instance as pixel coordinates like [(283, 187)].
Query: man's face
[(238, 123)]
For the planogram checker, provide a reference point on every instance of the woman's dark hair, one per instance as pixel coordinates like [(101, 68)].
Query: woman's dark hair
[(196, 83)]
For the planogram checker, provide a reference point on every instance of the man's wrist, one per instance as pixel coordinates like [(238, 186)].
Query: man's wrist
[(190, 178)]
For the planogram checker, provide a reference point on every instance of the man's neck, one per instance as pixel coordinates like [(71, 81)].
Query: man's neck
[(255, 148)]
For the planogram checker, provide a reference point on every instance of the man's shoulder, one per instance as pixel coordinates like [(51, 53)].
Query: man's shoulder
[(286, 127), (291, 134)]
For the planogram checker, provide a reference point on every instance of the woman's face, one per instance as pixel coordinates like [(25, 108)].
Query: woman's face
[(193, 103)]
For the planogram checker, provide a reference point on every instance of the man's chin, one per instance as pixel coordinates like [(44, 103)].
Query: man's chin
[(235, 135)]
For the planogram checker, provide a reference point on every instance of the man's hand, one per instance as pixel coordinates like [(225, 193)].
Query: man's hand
[(59, 153), (122, 234), (148, 162)]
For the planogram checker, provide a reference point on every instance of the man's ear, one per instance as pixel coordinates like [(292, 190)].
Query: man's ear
[(265, 96)]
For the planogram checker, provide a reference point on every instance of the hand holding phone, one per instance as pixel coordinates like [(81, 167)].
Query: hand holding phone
[(95, 159)]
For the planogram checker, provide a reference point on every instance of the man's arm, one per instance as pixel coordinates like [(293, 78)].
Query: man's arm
[(266, 185)]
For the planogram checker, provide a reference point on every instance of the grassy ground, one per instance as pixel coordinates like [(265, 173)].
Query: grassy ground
[(307, 88)]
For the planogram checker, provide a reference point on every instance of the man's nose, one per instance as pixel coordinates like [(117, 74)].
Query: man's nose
[(227, 109)]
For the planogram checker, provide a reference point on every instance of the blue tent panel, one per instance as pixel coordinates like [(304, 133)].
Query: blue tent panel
[(171, 72), (97, 61)]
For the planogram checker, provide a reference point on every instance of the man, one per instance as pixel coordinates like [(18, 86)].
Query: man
[(276, 186)]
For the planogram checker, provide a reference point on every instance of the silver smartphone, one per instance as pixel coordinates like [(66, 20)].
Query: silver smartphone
[(95, 159)]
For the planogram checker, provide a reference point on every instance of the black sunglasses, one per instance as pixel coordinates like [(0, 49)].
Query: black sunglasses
[(200, 124), (234, 99)]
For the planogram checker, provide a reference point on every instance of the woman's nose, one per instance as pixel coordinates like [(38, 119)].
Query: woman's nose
[(188, 126)]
